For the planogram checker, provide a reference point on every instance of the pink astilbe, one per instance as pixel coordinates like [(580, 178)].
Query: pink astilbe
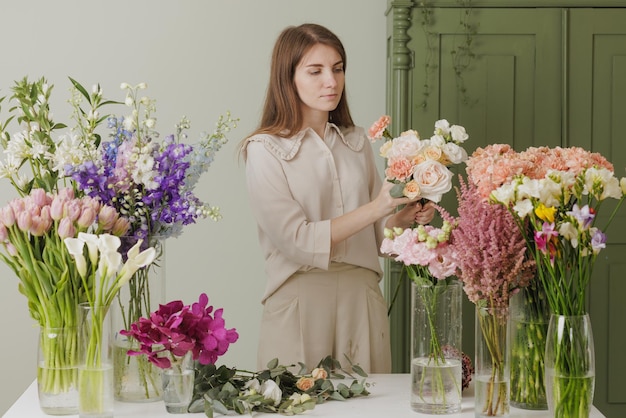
[(490, 250)]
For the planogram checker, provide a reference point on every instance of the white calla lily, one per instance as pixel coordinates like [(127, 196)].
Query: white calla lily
[(92, 245), (136, 261), (75, 248), (108, 242)]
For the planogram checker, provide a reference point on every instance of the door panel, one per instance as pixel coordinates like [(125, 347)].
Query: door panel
[(597, 109)]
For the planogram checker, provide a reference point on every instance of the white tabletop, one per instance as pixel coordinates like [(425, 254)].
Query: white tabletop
[(389, 397)]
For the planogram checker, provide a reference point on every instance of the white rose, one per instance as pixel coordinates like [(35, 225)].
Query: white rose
[(442, 127), (622, 184), (252, 387), (437, 140), (458, 134), (434, 179), (404, 146), (455, 153), (270, 390)]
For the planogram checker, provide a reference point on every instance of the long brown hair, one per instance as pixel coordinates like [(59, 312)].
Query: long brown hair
[(282, 114)]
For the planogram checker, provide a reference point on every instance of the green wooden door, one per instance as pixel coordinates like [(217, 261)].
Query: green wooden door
[(514, 91), (596, 116), (538, 76)]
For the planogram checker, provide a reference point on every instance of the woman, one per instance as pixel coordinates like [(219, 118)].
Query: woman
[(321, 209)]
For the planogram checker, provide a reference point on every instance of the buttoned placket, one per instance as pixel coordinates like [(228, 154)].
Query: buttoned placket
[(328, 143)]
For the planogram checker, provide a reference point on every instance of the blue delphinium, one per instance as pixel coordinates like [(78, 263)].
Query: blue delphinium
[(151, 182)]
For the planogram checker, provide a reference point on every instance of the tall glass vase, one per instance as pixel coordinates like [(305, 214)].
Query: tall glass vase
[(529, 314), (136, 379), (57, 372), (491, 363), (436, 362), (570, 366), (95, 363)]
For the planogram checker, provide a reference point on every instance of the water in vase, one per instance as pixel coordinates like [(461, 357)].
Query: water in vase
[(436, 386)]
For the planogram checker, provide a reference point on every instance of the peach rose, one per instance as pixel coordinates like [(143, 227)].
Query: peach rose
[(384, 148), (305, 383), (411, 189), (434, 179), (319, 373), (432, 152), (411, 132)]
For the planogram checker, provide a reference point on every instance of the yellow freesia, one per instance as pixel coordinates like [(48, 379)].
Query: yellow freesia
[(545, 213)]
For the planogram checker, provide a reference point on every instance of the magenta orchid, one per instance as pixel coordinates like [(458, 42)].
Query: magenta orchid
[(178, 329)]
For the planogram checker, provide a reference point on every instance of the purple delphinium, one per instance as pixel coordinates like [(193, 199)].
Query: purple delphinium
[(178, 329), (158, 202)]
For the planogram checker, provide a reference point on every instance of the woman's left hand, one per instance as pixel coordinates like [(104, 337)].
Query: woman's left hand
[(411, 213), (426, 212)]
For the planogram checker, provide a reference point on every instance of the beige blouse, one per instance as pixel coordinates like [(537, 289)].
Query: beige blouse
[(296, 185)]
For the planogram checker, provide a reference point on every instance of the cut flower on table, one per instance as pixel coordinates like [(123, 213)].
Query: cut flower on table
[(277, 389)]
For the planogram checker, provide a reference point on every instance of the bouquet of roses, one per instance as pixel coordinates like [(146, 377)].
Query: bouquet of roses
[(419, 167)]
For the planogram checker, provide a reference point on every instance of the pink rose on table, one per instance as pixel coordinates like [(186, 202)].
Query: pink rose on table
[(433, 178)]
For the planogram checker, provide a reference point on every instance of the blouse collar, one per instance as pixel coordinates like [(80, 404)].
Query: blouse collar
[(287, 148)]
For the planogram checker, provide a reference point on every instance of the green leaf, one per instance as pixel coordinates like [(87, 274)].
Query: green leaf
[(397, 190), (358, 370), (337, 396), (81, 89), (272, 364)]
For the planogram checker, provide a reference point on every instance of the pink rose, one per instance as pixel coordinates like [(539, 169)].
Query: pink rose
[(434, 179)]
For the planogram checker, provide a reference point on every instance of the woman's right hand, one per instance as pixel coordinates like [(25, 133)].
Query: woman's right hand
[(387, 204)]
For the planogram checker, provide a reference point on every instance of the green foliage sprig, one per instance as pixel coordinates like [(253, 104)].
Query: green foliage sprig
[(276, 389)]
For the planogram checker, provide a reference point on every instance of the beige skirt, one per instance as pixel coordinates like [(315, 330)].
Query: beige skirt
[(339, 312)]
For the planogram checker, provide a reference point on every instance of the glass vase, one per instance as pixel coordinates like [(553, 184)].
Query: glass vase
[(136, 379), (57, 372), (178, 383), (436, 356), (529, 315), (491, 363), (570, 366), (95, 363)]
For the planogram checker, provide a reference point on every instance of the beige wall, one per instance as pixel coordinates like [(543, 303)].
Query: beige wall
[(199, 59)]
